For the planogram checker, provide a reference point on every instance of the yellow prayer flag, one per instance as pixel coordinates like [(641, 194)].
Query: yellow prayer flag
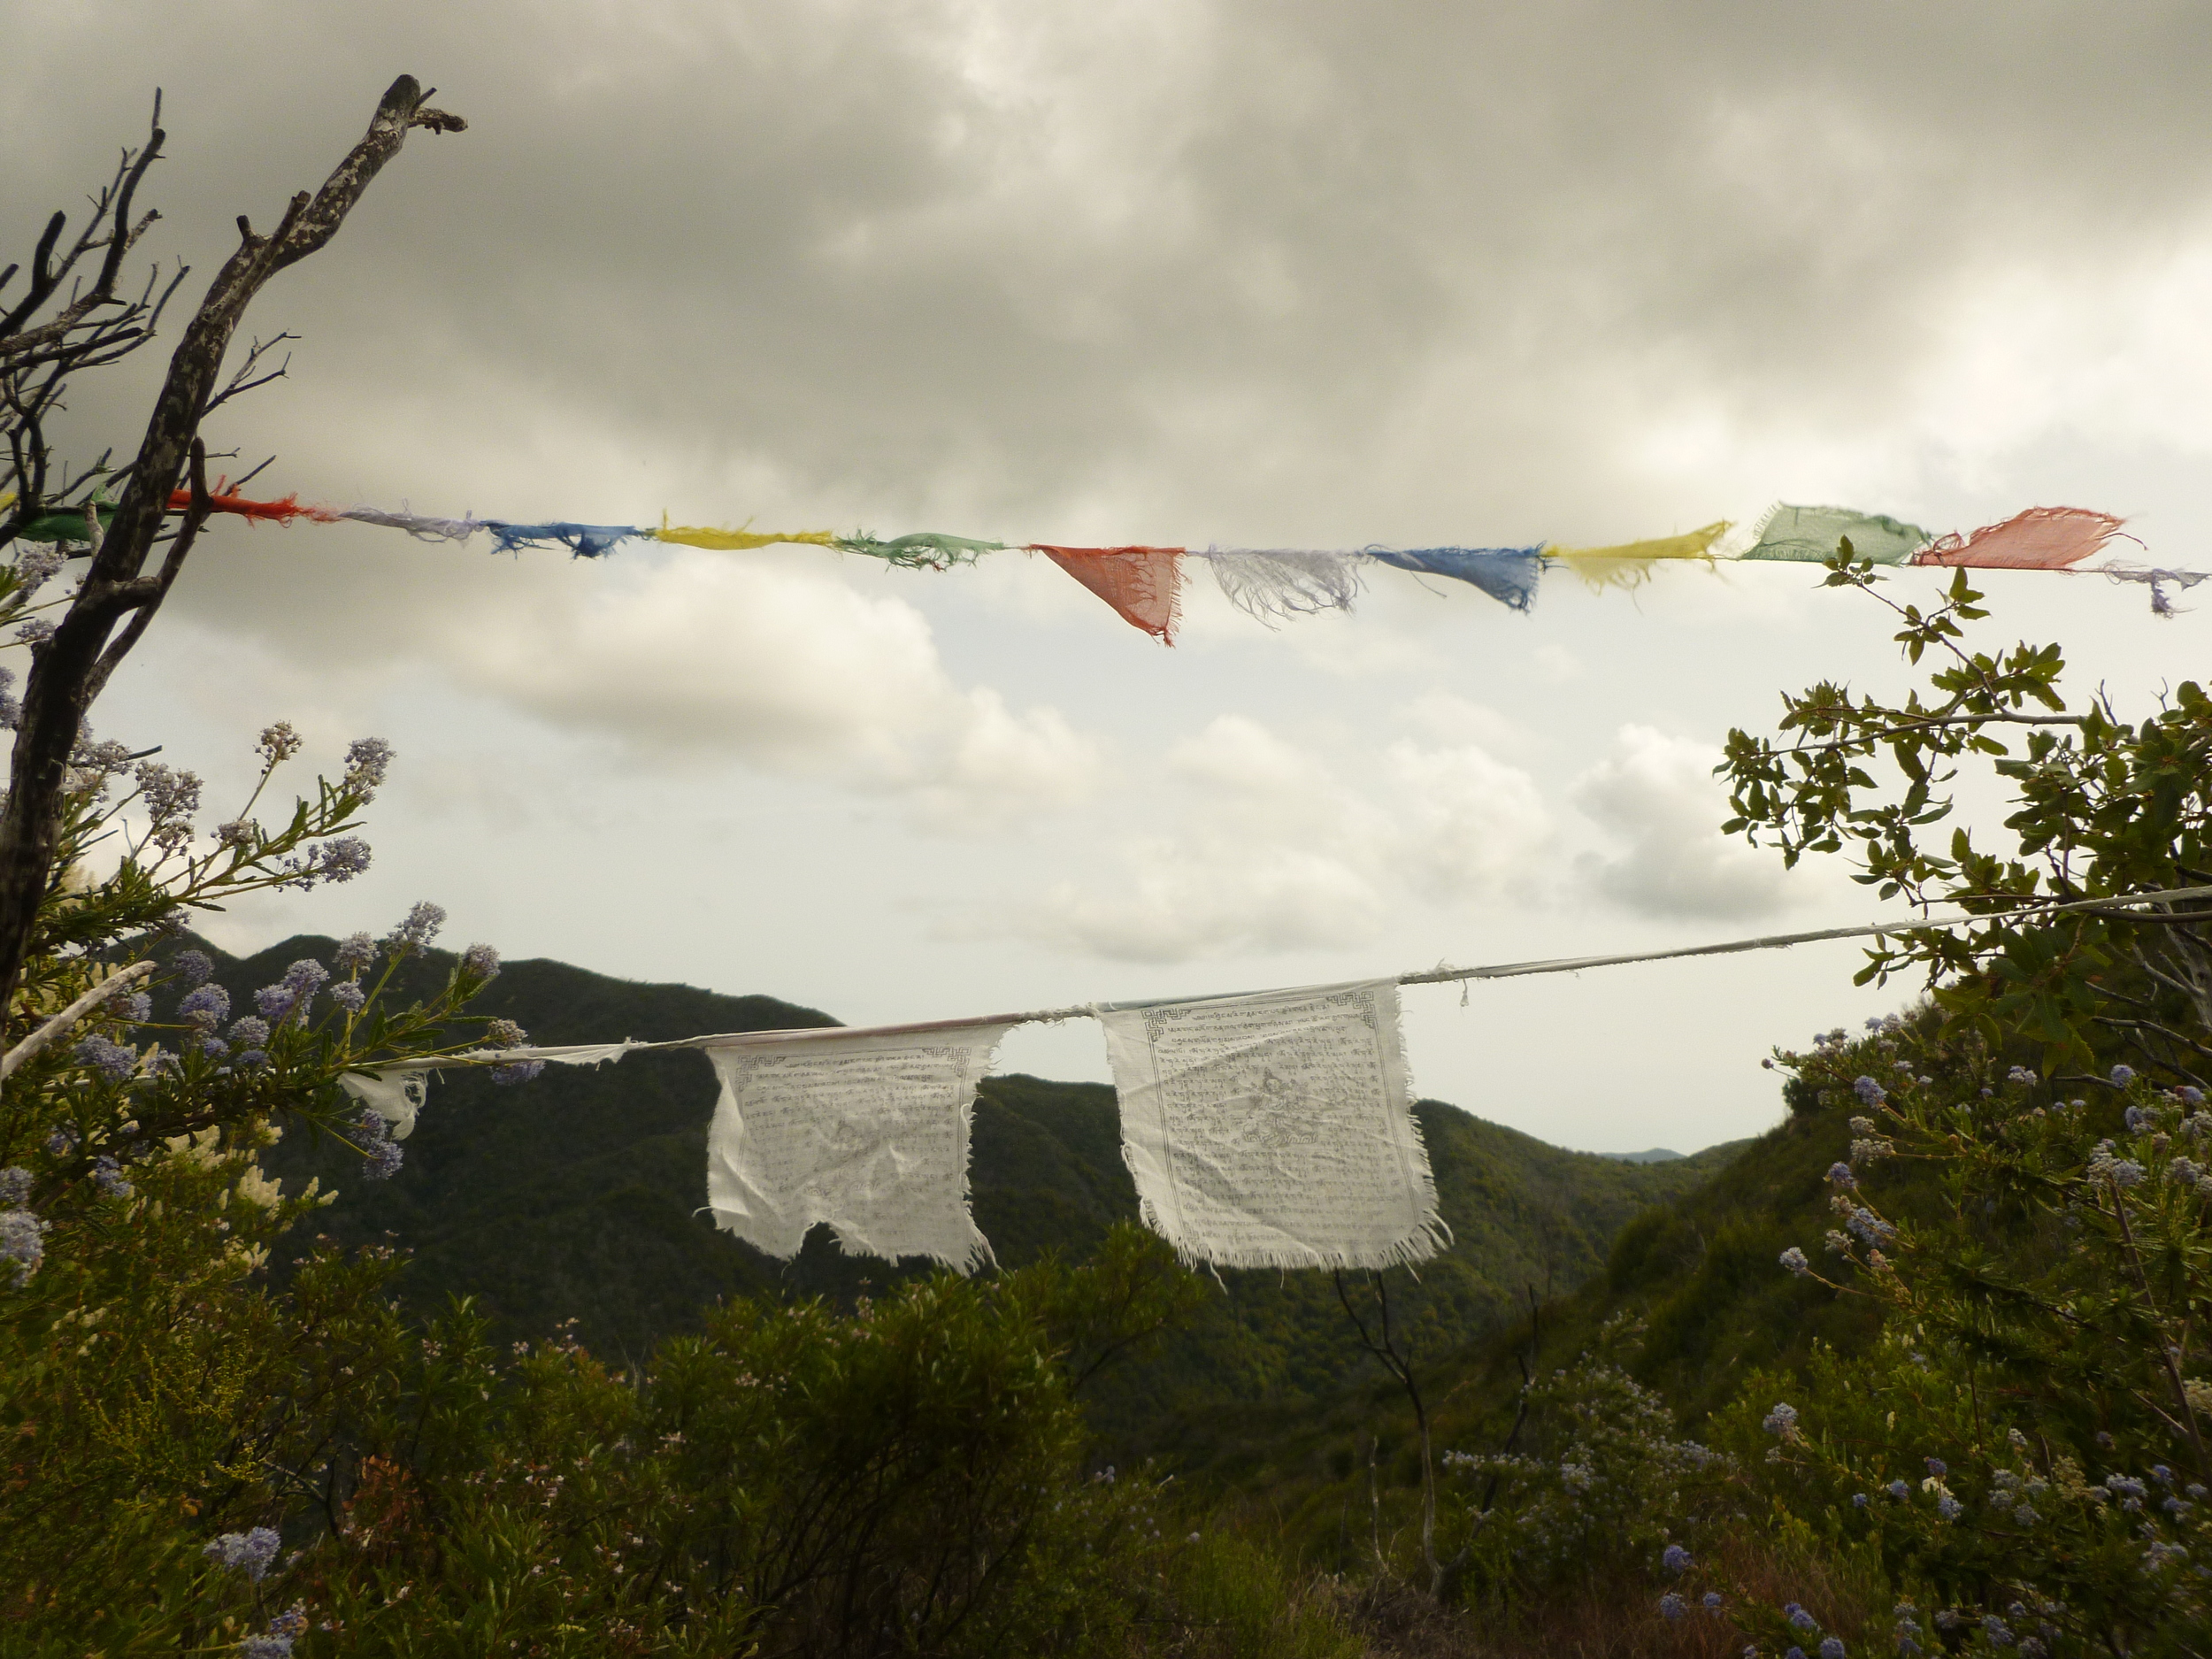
[(1629, 564), (736, 541)]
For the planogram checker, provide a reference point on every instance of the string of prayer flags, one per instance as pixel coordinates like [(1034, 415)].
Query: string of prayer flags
[(1142, 584), (1810, 535), (1275, 1129), (1508, 574), (866, 1131), (2040, 539)]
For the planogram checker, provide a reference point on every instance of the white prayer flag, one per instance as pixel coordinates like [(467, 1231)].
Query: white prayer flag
[(867, 1131), (1275, 1129), (396, 1096)]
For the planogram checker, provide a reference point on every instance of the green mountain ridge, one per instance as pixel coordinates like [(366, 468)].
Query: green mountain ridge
[(578, 1197)]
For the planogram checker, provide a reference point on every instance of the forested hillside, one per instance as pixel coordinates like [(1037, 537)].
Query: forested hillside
[(576, 1196)]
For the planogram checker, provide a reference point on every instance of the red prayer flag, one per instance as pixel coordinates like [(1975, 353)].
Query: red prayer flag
[(2040, 539), (1143, 584), (283, 511)]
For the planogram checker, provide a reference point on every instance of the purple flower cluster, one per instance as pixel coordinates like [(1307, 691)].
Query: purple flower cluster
[(249, 1552), (278, 743), (356, 952), (1674, 1560), (334, 861), (34, 567), (347, 995), (107, 1175), (1869, 1092), (15, 1187), (193, 967), (2120, 1172), (22, 1242), (294, 991), (1782, 1421), (1870, 1228), (1799, 1618), (367, 760), (482, 963), (1670, 1606), (416, 933), (113, 1060), (382, 1155), (1840, 1175), (205, 1007)]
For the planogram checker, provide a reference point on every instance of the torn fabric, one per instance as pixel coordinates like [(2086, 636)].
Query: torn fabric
[(1142, 584), (280, 511), (2161, 602), (1275, 584), (1508, 574), (736, 541), (1810, 535), (1629, 564), (416, 524), (866, 1131), (585, 541), (924, 549), (396, 1096), (1275, 1129), (2040, 539)]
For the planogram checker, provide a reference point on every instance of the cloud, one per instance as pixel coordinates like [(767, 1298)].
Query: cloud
[(699, 657), (1277, 849), (1657, 797)]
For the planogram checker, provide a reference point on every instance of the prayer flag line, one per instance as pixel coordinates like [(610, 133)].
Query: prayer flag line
[(588, 1054), (1269, 1129), (1142, 584)]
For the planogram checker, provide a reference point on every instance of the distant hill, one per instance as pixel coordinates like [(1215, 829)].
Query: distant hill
[(1699, 1272), (578, 1196), (1656, 1154)]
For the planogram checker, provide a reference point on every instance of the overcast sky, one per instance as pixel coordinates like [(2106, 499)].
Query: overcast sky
[(1187, 273)]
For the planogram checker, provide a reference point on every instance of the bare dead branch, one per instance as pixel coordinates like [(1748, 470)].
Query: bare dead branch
[(69, 668)]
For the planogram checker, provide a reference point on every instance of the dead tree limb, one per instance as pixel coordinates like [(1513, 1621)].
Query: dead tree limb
[(68, 670)]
